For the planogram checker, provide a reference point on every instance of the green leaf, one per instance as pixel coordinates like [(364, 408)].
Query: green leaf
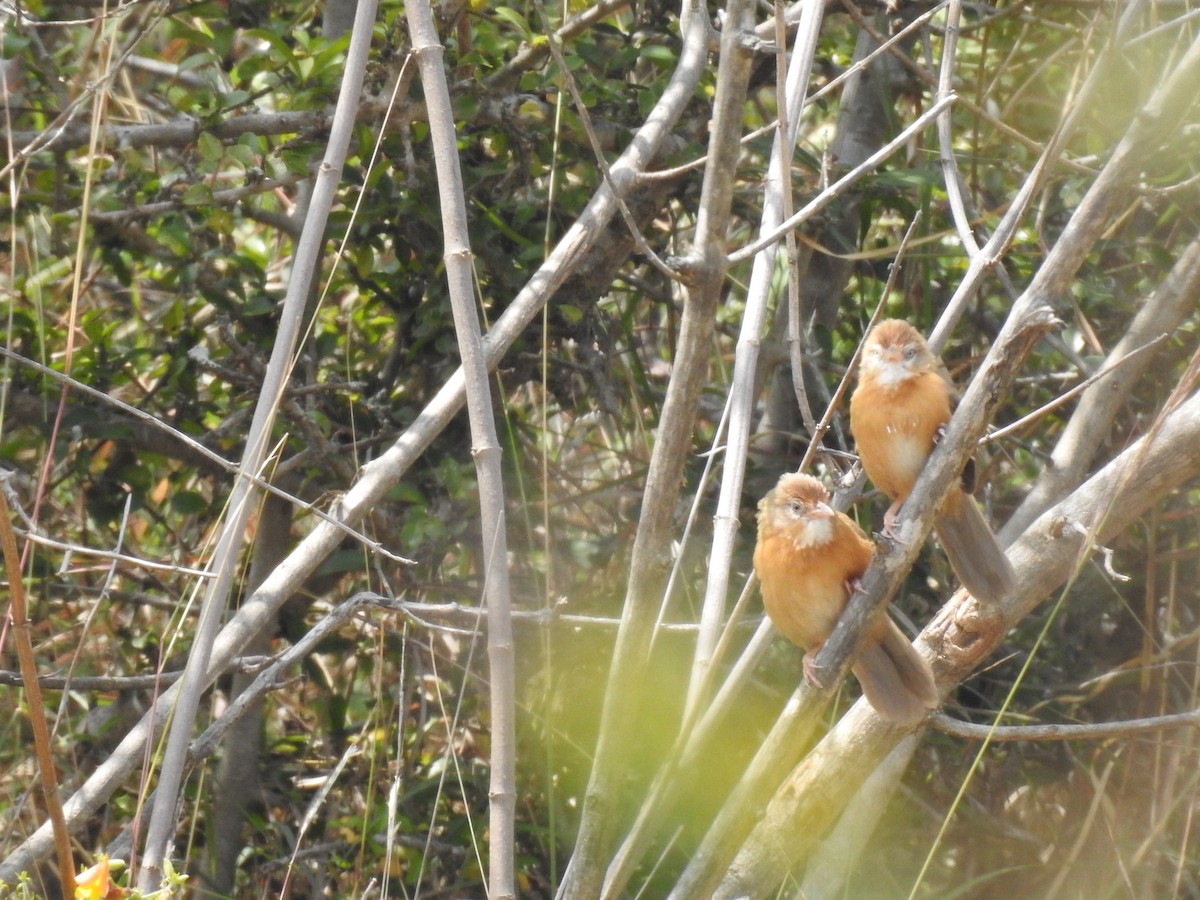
[(515, 19), (197, 195), (189, 503), (210, 148)]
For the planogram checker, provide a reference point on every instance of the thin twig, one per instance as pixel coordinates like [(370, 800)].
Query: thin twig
[(120, 682), (229, 543), (844, 183), (136, 561), (37, 708), (1109, 368), (585, 119), (814, 445), (196, 447), (1095, 731)]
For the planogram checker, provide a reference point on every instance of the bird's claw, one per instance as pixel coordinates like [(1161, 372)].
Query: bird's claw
[(890, 531), (812, 669)]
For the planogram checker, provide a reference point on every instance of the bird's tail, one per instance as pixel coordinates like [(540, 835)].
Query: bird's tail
[(973, 550), (895, 677)]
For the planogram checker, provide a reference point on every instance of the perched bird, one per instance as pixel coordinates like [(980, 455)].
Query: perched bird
[(902, 401), (809, 558)]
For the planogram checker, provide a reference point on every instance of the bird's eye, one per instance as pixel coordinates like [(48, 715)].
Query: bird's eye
[(796, 508), (910, 352)]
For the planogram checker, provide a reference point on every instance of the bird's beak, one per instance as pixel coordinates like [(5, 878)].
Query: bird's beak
[(823, 511)]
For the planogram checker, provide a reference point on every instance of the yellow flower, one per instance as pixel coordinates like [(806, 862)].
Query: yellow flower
[(92, 884)]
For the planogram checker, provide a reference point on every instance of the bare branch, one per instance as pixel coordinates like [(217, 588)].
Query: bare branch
[(485, 447), (225, 558), (707, 266), (1094, 731)]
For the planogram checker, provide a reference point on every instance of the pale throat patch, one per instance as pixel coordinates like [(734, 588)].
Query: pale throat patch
[(815, 533), (890, 374)]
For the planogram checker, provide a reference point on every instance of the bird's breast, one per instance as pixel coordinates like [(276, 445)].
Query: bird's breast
[(908, 454)]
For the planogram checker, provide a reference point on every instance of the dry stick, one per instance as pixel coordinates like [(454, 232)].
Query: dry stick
[(33, 693), (679, 565), (133, 561), (485, 447), (1110, 367), (227, 197), (195, 450), (983, 260), (1096, 731), (225, 558), (647, 575), (177, 133), (843, 184), (741, 399), (585, 119), (979, 263), (950, 177), (380, 475), (10, 678), (738, 410), (1089, 426), (857, 66), (969, 105), (532, 55), (781, 158)]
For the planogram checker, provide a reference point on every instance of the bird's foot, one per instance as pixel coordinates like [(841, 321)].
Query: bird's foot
[(889, 524), (812, 670)]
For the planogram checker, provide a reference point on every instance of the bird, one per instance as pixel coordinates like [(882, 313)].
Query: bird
[(897, 414), (809, 559)]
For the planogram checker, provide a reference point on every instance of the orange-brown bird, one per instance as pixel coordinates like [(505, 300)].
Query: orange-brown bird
[(809, 558), (897, 412)]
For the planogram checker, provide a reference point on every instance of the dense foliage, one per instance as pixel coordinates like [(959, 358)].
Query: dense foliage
[(158, 167)]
